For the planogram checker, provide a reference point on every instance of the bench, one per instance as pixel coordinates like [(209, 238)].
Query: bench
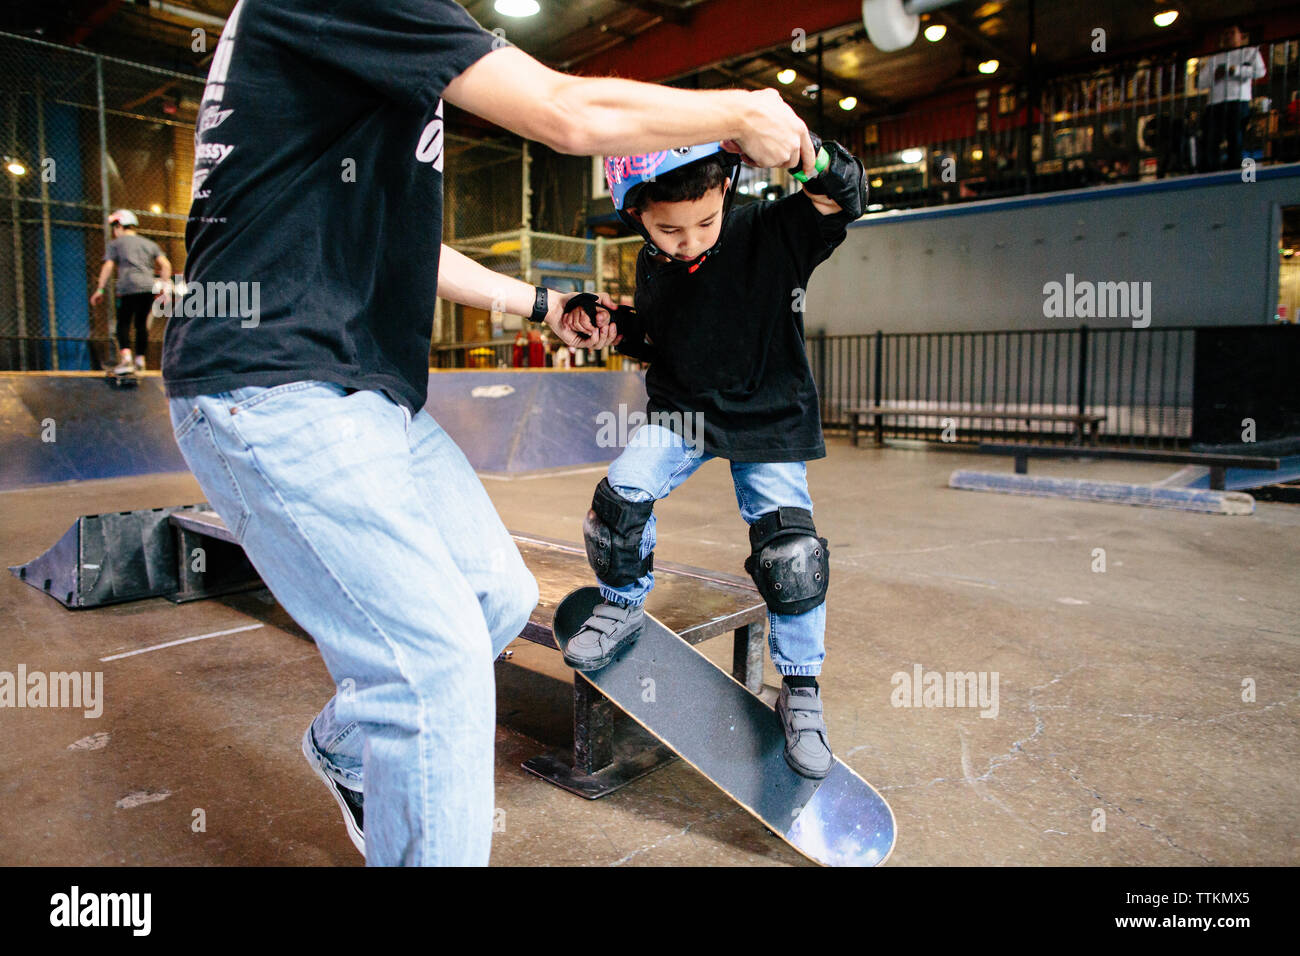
[(858, 416), (1218, 464), (607, 753)]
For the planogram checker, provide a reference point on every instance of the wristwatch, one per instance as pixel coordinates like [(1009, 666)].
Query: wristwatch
[(541, 305)]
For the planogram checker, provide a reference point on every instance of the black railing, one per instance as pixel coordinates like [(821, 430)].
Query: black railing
[(1140, 380)]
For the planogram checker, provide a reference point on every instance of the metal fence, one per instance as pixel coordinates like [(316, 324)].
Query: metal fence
[(1140, 380), (81, 135), (1143, 119)]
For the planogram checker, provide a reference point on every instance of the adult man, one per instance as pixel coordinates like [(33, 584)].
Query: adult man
[(1228, 77), (317, 198), (137, 259)]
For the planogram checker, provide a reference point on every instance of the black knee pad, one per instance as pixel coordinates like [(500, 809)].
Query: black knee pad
[(788, 562), (612, 534)]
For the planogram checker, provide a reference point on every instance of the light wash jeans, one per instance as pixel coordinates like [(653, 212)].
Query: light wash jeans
[(657, 460), (372, 530)]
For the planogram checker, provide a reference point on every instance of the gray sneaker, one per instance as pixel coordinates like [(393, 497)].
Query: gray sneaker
[(610, 628), (806, 749)]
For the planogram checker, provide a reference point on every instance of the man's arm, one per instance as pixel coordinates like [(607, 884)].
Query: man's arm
[(164, 267), (461, 279), (591, 116)]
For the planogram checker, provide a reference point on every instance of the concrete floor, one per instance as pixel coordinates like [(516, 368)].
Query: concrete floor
[(1119, 692)]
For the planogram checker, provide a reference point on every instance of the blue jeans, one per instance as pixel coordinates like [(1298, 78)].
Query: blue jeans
[(657, 460), (372, 530)]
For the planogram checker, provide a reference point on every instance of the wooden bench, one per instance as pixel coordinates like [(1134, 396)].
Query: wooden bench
[(858, 416), (608, 752), (1218, 464)]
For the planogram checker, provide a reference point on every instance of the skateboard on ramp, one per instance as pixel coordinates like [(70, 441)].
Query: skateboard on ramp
[(120, 379), (716, 725)]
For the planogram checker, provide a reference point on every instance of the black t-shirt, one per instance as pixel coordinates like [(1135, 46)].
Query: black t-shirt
[(729, 339), (316, 222)]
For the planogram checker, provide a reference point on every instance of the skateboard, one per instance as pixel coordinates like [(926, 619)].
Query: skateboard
[(716, 725), (121, 379)]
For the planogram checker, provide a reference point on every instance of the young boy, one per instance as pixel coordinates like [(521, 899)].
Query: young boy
[(138, 259), (719, 315)]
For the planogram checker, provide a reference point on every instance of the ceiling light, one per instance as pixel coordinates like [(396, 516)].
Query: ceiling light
[(516, 8), (989, 66), (15, 167), (977, 154), (936, 32), (1165, 17), (155, 208), (785, 77), (848, 103), (911, 156)]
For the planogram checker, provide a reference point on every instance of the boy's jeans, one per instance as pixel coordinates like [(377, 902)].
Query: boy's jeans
[(372, 530), (655, 462)]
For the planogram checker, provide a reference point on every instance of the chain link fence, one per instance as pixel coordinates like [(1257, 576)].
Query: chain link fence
[(82, 135)]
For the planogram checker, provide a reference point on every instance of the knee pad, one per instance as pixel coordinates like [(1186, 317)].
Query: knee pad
[(788, 562), (612, 534)]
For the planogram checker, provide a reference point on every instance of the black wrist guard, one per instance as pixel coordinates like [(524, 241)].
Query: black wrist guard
[(844, 180)]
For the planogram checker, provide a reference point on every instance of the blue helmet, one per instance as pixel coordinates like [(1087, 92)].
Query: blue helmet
[(627, 174)]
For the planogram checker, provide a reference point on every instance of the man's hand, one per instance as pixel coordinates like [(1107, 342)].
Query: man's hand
[(776, 138), (97, 298), (576, 329)]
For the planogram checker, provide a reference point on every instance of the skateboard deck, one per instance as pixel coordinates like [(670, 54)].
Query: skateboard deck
[(711, 721), (121, 379)]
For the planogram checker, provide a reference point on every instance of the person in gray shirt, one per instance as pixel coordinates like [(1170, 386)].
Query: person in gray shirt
[(139, 262)]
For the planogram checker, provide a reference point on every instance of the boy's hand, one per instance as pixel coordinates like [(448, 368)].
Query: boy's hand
[(577, 329)]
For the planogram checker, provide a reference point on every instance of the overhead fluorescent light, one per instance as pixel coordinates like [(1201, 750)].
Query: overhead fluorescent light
[(517, 8)]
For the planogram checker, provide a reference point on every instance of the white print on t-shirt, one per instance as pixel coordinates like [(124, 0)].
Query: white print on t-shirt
[(211, 118), (208, 155), (213, 151), (429, 149)]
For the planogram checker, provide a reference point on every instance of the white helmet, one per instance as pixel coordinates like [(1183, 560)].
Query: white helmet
[(123, 218)]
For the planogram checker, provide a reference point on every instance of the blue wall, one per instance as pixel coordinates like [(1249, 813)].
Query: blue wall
[(72, 278)]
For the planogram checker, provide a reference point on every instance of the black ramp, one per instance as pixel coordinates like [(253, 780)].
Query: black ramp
[(733, 738), (109, 558)]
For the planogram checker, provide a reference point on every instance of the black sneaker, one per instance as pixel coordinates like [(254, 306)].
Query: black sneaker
[(610, 628), (350, 801)]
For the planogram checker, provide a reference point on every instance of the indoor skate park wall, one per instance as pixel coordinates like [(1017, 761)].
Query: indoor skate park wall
[(70, 427), (1208, 246)]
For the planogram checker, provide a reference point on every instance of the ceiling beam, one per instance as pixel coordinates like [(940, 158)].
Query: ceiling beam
[(721, 30), (92, 20), (990, 47), (671, 12), (807, 66)]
